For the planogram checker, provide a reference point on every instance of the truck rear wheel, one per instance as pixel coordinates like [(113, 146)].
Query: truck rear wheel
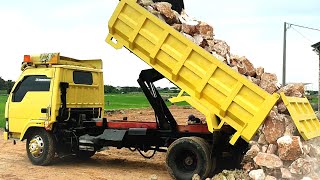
[(40, 147), (188, 156)]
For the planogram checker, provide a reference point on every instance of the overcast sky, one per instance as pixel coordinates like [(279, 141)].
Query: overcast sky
[(77, 28)]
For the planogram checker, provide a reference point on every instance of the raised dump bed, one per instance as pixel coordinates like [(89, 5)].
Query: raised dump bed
[(213, 88)]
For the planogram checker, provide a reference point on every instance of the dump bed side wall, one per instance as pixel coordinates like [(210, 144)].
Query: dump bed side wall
[(208, 81)]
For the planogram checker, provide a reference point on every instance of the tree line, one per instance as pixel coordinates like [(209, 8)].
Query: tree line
[(5, 85)]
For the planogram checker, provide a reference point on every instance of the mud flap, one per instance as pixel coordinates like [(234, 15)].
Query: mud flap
[(303, 116)]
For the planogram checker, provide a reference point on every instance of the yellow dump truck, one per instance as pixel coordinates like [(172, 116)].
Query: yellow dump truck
[(57, 104)]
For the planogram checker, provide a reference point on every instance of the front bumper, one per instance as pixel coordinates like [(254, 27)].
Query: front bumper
[(5, 136)]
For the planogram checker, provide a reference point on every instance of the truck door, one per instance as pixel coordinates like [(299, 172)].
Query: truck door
[(31, 96)]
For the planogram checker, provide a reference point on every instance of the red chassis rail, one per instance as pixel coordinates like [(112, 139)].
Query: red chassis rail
[(122, 124)]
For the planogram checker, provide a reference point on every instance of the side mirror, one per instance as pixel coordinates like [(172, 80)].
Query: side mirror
[(9, 90)]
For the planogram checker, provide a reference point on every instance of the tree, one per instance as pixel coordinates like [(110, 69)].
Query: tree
[(6, 85), (110, 89), (9, 85), (2, 84)]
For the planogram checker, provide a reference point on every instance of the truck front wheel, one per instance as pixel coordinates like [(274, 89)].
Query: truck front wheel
[(40, 147), (188, 156)]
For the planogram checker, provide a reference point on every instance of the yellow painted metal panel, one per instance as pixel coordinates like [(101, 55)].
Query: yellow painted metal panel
[(80, 95), (20, 113), (303, 116), (31, 123), (213, 87), (5, 136)]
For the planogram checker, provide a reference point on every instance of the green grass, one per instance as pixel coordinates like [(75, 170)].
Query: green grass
[(314, 100), (3, 99), (131, 101), (125, 101), (112, 102), (3, 92)]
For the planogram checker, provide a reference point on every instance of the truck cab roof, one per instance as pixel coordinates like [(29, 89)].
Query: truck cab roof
[(55, 59)]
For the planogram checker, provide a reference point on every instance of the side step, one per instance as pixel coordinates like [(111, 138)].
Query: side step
[(109, 137), (115, 136)]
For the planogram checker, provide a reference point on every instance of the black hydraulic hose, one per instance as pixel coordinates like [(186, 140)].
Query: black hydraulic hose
[(145, 156), (132, 149)]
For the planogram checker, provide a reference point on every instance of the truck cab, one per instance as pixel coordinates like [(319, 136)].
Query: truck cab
[(53, 92)]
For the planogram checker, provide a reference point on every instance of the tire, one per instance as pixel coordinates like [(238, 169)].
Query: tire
[(85, 155), (213, 159), (188, 156), (40, 147)]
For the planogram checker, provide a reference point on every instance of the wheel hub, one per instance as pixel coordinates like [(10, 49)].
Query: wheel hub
[(188, 161), (36, 146)]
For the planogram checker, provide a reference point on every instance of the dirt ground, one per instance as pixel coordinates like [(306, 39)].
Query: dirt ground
[(108, 164)]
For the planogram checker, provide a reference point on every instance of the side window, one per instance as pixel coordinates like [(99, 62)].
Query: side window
[(82, 77), (30, 83)]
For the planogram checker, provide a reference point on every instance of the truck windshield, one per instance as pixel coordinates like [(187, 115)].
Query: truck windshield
[(30, 83)]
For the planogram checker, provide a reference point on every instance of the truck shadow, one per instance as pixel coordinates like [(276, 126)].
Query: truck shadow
[(106, 161)]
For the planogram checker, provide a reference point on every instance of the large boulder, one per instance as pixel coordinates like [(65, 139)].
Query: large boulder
[(274, 127), (257, 174), (270, 161), (289, 148), (301, 167)]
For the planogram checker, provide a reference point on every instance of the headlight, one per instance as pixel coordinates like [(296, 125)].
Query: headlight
[(7, 126)]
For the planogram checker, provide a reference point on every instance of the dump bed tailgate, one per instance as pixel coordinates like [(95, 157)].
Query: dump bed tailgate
[(213, 88), (303, 116)]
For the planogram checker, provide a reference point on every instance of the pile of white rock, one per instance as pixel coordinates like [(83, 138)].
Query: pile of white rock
[(277, 151)]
